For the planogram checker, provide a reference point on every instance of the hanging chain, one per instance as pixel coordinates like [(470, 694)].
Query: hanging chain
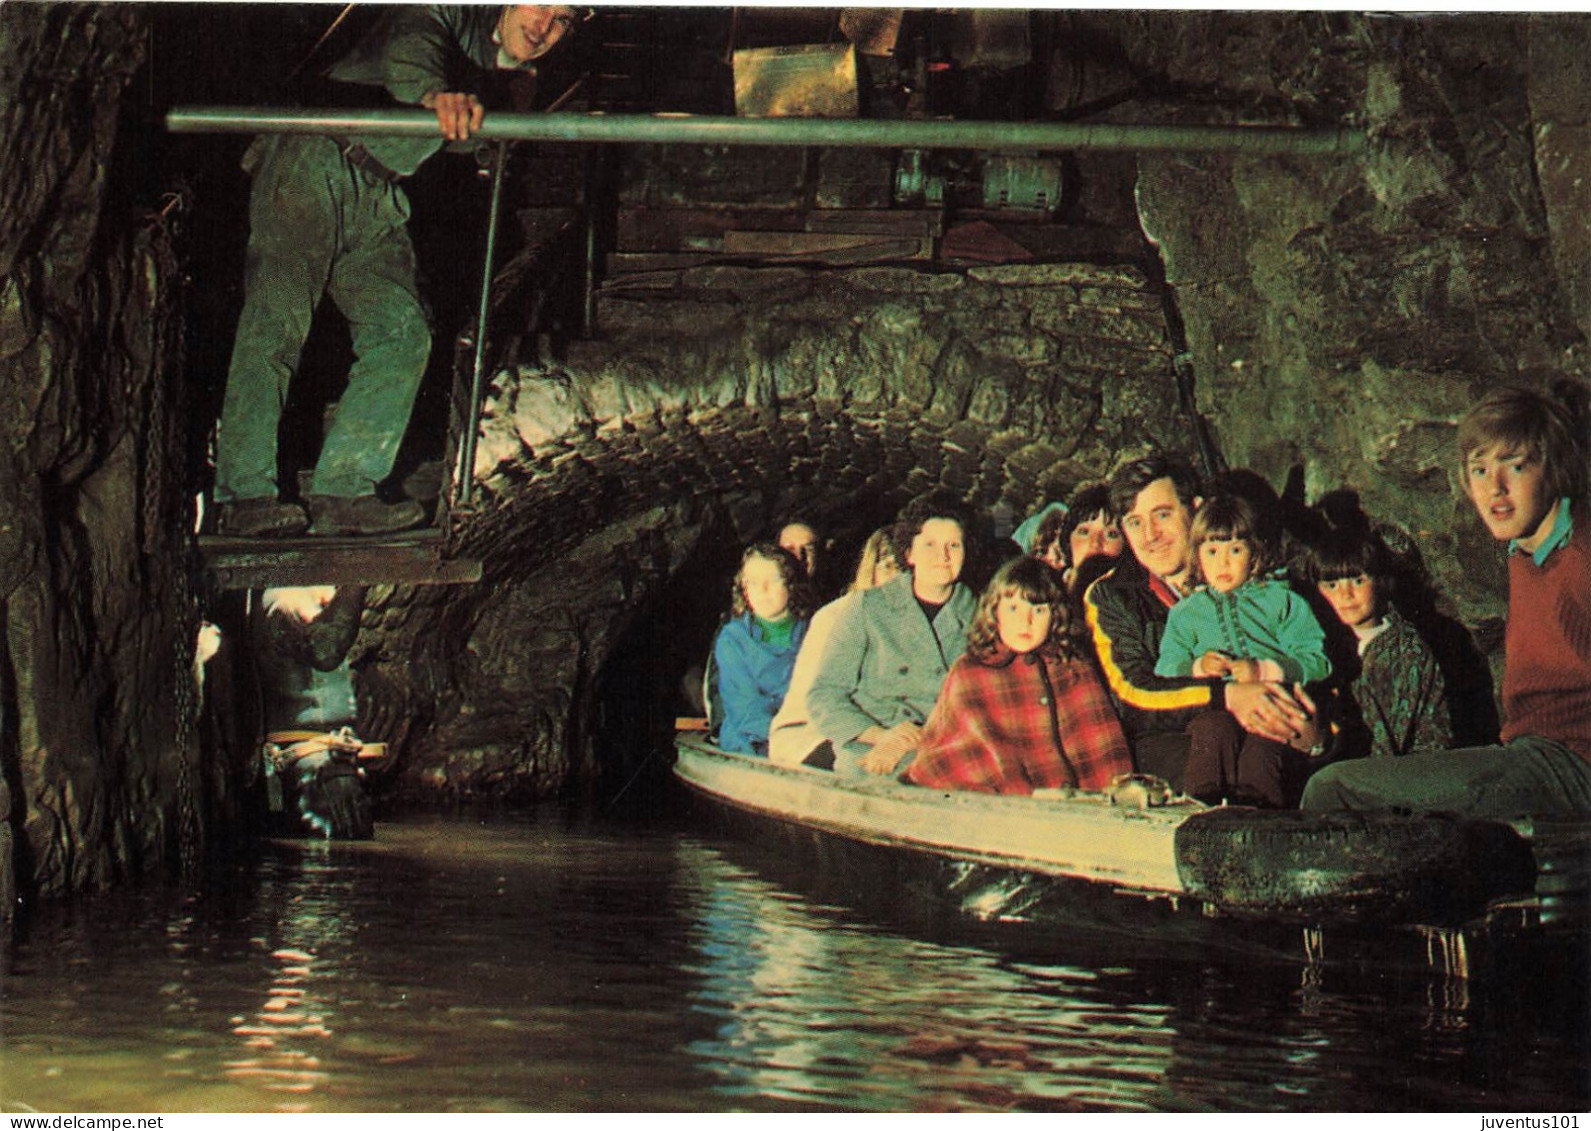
[(165, 539), (190, 828)]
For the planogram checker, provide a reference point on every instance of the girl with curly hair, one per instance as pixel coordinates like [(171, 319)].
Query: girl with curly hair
[(755, 650), (1023, 708)]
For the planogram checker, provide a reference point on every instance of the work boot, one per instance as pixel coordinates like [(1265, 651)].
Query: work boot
[(261, 518), (363, 515)]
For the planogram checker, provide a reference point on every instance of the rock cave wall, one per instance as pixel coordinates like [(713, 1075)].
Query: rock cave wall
[(101, 774), (1341, 315)]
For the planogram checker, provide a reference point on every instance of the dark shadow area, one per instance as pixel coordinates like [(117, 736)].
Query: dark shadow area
[(642, 690), (17, 864)]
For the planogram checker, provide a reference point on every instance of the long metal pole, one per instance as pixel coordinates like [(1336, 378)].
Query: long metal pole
[(664, 129), (591, 253), (466, 465)]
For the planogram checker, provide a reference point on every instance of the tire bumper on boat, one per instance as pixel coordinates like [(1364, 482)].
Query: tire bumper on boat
[(1431, 868)]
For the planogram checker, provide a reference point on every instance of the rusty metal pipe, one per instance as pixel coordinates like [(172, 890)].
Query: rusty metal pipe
[(675, 129)]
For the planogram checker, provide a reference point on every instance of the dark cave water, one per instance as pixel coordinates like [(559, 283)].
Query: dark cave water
[(561, 962)]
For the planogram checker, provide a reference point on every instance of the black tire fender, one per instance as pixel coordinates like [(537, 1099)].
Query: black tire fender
[(1430, 868)]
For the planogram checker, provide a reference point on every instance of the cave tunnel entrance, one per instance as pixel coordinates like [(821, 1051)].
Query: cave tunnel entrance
[(867, 387), (653, 677)]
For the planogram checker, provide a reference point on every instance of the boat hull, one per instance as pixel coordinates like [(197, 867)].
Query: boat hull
[(1283, 868)]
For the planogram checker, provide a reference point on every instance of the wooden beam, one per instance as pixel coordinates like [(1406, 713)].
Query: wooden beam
[(410, 558)]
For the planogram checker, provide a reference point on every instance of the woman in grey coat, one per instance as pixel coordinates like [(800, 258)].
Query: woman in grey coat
[(885, 661)]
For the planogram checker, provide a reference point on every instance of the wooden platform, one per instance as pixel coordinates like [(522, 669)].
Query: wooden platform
[(413, 557)]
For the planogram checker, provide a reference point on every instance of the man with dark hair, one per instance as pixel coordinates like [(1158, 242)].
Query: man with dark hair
[(327, 217), (1173, 722), (800, 538)]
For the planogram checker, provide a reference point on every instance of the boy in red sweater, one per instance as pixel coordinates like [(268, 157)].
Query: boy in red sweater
[(1524, 453)]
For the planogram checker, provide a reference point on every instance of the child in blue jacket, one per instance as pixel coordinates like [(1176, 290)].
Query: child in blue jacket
[(755, 651)]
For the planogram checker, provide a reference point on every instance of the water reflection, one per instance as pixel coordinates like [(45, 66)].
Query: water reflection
[(282, 1040), (552, 963), (813, 1010)]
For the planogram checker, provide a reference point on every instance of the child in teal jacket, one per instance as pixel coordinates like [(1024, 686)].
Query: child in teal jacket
[(1240, 625), (1243, 627)]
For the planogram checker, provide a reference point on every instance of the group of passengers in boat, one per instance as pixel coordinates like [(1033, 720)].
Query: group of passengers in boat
[(1199, 634)]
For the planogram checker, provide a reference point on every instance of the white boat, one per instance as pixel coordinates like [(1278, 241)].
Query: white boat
[(1285, 867)]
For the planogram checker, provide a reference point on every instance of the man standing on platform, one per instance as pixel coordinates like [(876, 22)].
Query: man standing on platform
[(327, 217)]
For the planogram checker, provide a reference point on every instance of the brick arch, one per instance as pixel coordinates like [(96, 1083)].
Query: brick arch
[(713, 403)]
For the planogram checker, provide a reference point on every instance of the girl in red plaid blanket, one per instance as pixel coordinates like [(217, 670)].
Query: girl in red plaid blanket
[(1023, 708)]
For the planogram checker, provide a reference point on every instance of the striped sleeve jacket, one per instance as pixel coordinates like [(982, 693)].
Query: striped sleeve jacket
[(1126, 620)]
